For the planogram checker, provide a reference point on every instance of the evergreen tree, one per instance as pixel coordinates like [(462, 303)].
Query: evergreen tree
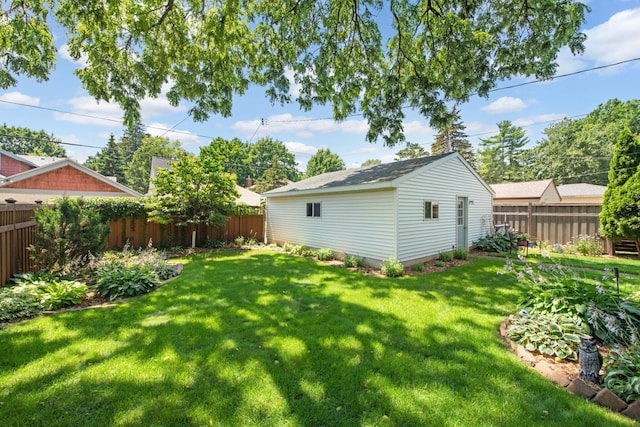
[(324, 161), (502, 156), (411, 151), (131, 140), (620, 215), (108, 161), (452, 137)]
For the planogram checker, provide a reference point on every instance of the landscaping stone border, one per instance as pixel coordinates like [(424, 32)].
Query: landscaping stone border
[(566, 375)]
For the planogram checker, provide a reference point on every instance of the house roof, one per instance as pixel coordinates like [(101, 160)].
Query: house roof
[(581, 190), (384, 175), (38, 161), (35, 194), (522, 190), (18, 157)]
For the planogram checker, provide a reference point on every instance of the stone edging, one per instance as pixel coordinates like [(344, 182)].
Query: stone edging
[(599, 395)]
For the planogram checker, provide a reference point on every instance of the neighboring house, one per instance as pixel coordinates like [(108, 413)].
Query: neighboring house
[(59, 178), (519, 193), (247, 196), (582, 193), (12, 164), (409, 210)]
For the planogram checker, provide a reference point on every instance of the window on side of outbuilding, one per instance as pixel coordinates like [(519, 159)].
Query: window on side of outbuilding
[(431, 209), (313, 209)]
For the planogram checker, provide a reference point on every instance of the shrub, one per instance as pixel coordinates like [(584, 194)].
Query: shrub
[(439, 263), (392, 268), (446, 256), (550, 335), (119, 280), (301, 250), (461, 253), (287, 247), (213, 244), (495, 243), (67, 232), (622, 372), (418, 267), (589, 246), (324, 254), (353, 261)]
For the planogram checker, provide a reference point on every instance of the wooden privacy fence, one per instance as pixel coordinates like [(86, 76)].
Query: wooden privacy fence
[(17, 230), (554, 223), (138, 231)]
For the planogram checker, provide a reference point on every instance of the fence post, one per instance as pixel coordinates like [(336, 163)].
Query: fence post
[(529, 219), (13, 266)]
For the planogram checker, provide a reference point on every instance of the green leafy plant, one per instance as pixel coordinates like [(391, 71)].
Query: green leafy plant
[(324, 254), (588, 246), (213, 243), (353, 261), (19, 301), (302, 250), (551, 335), (392, 268), (287, 247), (418, 267), (239, 241), (461, 253), (495, 243), (119, 280), (622, 372), (62, 293), (439, 263), (446, 256)]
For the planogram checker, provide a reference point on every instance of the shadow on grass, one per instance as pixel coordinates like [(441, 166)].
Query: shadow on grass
[(265, 339)]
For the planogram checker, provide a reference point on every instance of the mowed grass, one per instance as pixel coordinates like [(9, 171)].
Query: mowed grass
[(248, 338)]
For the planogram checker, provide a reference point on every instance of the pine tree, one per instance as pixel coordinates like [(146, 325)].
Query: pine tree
[(501, 156), (411, 150), (108, 161), (453, 138)]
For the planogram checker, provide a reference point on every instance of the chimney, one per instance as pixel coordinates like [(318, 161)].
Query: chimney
[(248, 182)]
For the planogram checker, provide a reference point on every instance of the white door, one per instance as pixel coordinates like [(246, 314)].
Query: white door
[(462, 220)]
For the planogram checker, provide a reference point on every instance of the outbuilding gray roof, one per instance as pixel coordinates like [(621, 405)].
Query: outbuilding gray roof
[(581, 190), (361, 176)]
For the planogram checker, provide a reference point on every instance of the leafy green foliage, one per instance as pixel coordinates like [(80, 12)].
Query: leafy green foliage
[(552, 335), (460, 253), (67, 232), (392, 268), (193, 193), (114, 208), (501, 156), (339, 52), (272, 178), (119, 280), (301, 250), (446, 256), (287, 247), (33, 293), (324, 161), (588, 246), (495, 243), (555, 290), (352, 261), (411, 151), (370, 162), (622, 372), (21, 140), (138, 169), (213, 243), (419, 267), (324, 254)]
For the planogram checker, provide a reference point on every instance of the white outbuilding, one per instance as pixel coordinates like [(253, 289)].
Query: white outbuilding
[(409, 210)]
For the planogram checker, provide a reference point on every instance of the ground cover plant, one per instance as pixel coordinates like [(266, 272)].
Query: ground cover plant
[(265, 338)]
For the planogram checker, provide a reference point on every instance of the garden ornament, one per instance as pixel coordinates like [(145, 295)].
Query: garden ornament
[(590, 360)]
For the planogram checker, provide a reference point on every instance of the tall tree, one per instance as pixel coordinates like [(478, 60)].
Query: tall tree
[(132, 140), (232, 155), (274, 177), (324, 161), (138, 170), (108, 161), (193, 193), (580, 150), (262, 153), (501, 156), (452, 137), (411, 150), (21, 140), (424, 55), (620, 216)]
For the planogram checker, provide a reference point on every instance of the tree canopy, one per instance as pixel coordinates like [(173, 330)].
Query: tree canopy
[(502, 156), (373, 56), (324, 161), (21, 140), (411, 150)]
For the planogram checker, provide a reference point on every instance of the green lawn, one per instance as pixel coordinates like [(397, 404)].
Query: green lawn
[(249, 338)]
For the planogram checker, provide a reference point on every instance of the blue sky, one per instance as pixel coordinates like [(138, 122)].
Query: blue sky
[(612, 28)]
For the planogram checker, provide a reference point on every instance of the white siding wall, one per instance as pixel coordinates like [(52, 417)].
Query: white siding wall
[(419, 238), (359, 223)]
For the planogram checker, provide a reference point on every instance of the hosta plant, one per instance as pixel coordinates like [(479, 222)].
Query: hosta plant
[(551, 335), (118, 280), (622, 372)]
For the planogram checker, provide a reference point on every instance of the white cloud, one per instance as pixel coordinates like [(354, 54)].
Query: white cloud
[(299, 126), (612, 41), (505, 104), (19, 98), (416, 127), (301, 150)]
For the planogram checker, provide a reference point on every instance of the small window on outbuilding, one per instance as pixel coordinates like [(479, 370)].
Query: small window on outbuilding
[(313, 209), (431, 210)]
